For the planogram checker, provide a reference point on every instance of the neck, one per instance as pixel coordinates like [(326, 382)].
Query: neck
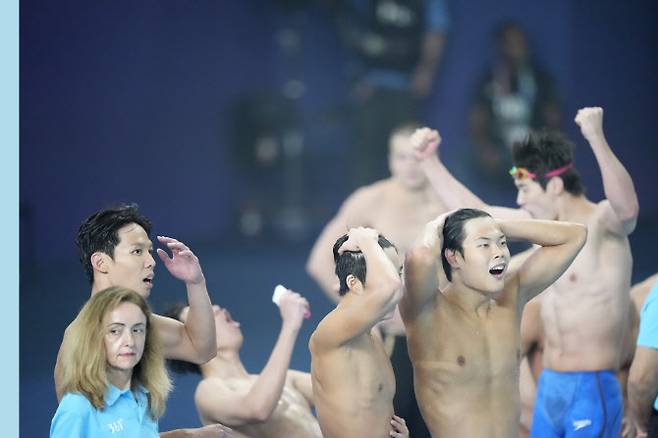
[(119, 378), (470, 300), (225, 365), (573, 208), (98, 285)]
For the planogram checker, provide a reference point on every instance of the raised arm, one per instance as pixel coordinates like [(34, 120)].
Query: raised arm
[(320, 264), (622, 206), (423, 271), (559, 243), (449, 189), (219, 402), (195, 340), (371, 300)]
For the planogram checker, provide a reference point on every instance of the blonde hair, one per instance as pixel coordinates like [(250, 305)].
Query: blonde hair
[(85, 364)]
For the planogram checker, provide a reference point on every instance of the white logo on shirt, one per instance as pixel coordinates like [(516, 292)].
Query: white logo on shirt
[(579, 424), (116, 426)]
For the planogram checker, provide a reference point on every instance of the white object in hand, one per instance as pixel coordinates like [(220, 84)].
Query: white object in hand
[(279, 290)]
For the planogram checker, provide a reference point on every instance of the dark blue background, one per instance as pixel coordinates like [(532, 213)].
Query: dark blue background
[(125, 100)]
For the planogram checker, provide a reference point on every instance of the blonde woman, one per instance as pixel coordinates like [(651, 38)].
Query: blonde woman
[(115, 382)]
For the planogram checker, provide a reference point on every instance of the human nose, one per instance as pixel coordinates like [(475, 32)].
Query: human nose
[(150, 261), (128, 339)]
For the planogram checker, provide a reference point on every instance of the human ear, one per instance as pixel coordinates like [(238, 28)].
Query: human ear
[(555, 186), (99, 261)]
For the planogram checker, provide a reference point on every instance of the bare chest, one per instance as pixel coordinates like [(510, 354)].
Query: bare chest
[(463, 350), (401, 222)]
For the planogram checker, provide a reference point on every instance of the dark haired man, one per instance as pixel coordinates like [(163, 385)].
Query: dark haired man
[(584, 314), (463, 314), (353, 382), (115, 250), (398, 207), (275, 403)]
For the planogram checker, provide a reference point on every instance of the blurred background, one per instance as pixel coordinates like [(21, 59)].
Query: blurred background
[(240, 126)]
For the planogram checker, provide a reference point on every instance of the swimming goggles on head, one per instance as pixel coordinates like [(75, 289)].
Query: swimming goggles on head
[(523, 173)]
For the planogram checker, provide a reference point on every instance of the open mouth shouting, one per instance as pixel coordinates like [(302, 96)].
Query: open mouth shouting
[(148, 280), (498, 270)]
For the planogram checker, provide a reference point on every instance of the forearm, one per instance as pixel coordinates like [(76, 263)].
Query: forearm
[(452, 193), (200, 322), (431, 52), (543, 233), (640, 402), (266, 390), (381, 275), (617, 183), (178, 433)]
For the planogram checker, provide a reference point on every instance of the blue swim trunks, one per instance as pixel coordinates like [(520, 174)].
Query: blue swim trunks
[(577, 404)]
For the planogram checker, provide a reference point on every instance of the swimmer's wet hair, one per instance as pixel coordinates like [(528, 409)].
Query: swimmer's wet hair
[(353, 262), (453, 234)]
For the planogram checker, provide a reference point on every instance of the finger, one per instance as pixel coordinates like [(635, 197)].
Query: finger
[(165, 239), (164, 256), (186, 253), (399, 419), (177, 245)]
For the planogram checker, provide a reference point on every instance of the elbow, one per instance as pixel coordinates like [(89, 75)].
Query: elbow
[(261, 413), (205, 355), (209, 354), (629, 216), (581, 232)]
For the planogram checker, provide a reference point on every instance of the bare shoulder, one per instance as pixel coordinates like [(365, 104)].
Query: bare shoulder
[(372, 193), (321, 336), (606, 223)]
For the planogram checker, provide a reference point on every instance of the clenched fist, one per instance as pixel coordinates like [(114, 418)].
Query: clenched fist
[(590, 121), (425, 142)]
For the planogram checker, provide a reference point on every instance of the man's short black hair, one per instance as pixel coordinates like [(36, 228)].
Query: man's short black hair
[(99, 232), (179, 366), (453, 234), (544, 151), (353, 262)]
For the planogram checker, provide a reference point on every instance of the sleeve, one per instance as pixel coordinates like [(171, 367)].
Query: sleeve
[(70, 420), (648, 335)]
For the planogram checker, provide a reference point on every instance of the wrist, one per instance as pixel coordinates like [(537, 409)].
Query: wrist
[(199, 281), (290, 328)]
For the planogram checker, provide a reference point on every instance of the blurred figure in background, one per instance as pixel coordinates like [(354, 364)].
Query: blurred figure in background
[(398, 45), (514, 97)]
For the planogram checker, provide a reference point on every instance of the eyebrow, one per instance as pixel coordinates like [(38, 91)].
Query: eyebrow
[(142, 245), (123, 325), (498, 237)]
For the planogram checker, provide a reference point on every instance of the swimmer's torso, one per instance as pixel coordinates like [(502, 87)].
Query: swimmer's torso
[(353, 388), (584, 313), (397, 214), (292, 416), (466, 368)]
